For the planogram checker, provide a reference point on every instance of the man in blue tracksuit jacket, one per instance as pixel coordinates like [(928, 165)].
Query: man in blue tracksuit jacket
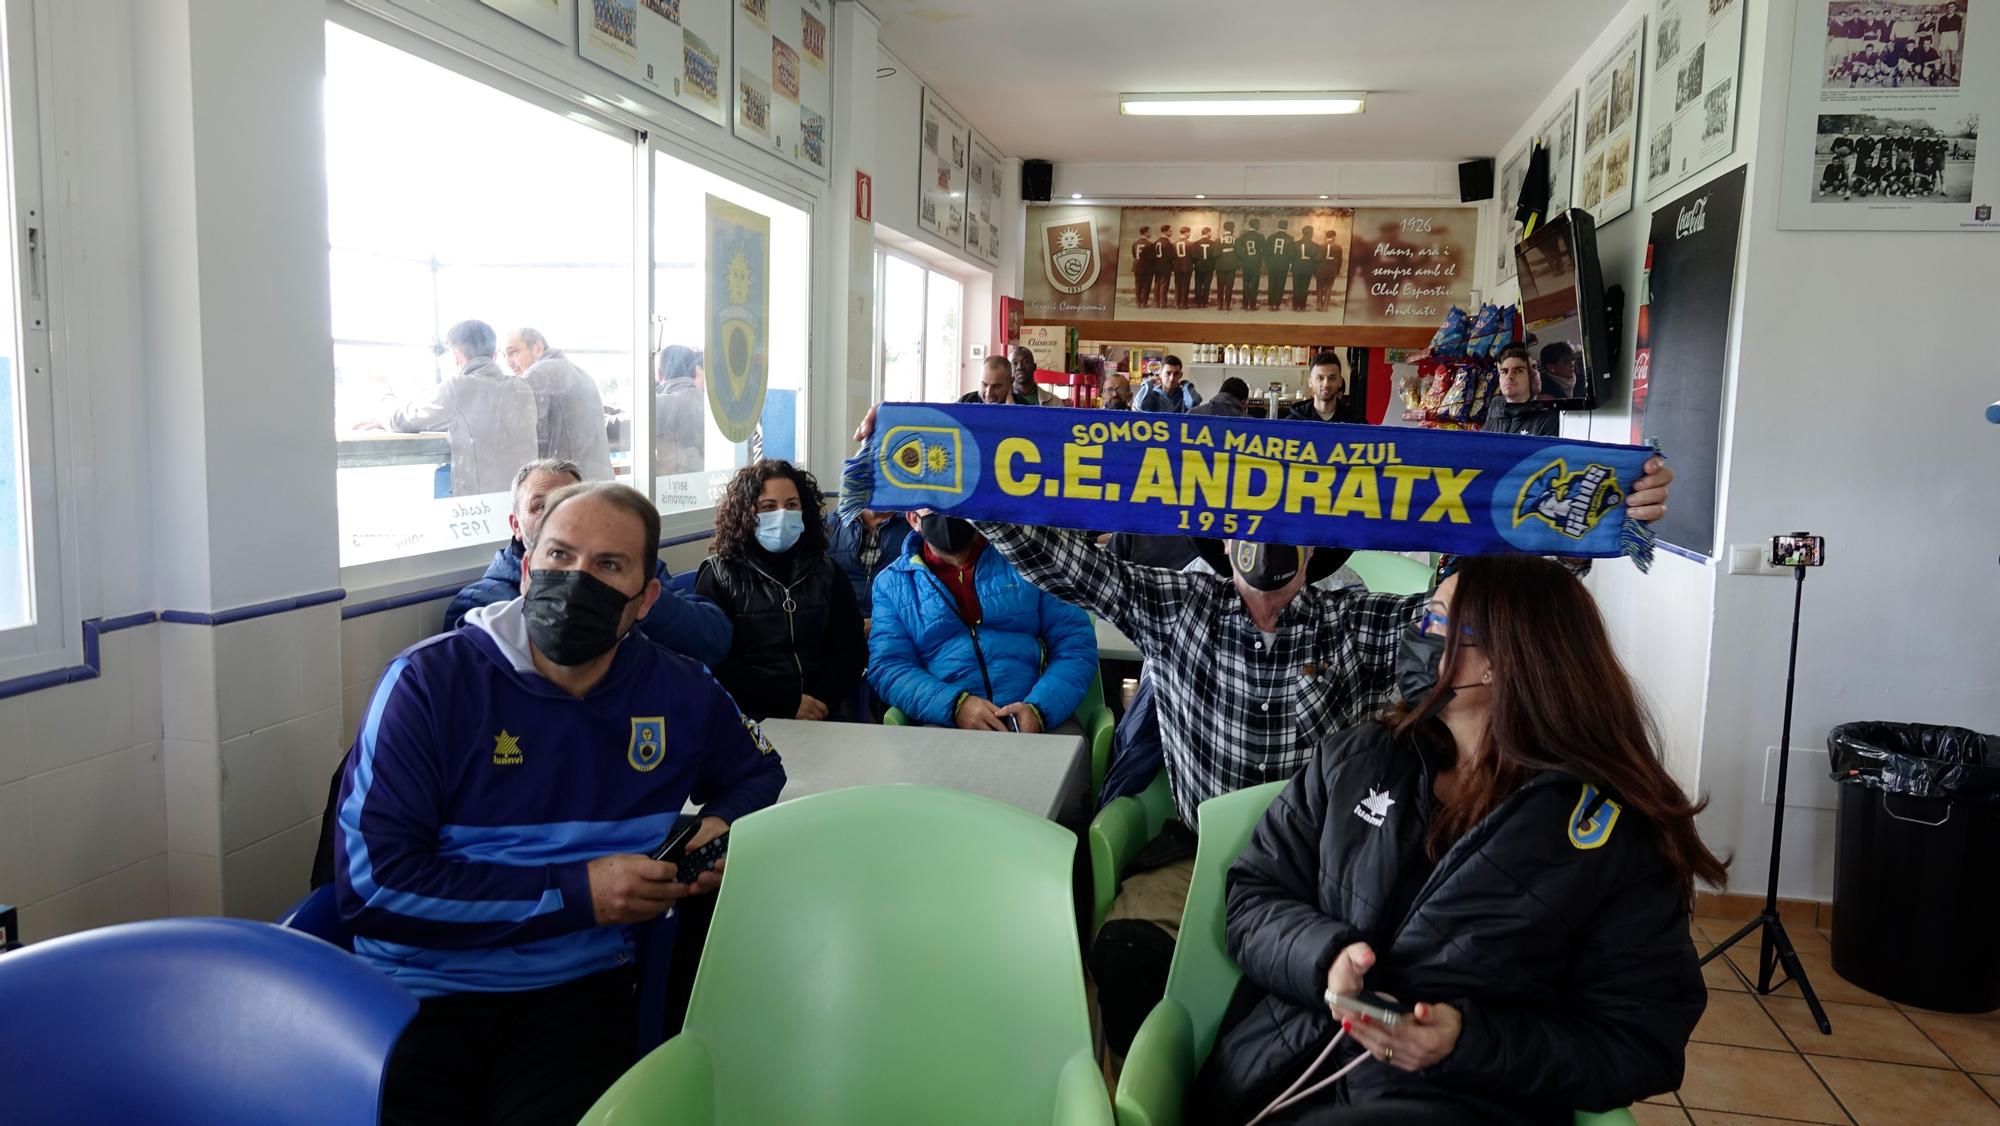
[(960, 638), (688, 624), (507, 782)]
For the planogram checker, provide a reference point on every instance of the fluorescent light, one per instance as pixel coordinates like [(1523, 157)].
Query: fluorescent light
[(1201, 197), (1076, 195), (1262, 104), (1326, 197)]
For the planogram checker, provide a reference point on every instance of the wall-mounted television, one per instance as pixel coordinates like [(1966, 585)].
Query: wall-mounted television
[(1563, 311)]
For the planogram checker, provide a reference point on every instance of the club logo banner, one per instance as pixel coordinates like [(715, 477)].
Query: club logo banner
[(738, 316), (1069, 254), (1304, 483)]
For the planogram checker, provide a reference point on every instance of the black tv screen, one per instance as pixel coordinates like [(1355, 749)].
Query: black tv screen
[(1563, 313)]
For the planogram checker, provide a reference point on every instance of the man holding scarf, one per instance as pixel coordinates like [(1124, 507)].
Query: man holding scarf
[(1254, 668)]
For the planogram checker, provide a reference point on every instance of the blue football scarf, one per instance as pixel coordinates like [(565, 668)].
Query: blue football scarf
[(1301, 483)]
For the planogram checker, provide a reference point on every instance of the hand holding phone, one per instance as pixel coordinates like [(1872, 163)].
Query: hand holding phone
[(1385, 1011), (689, 865)]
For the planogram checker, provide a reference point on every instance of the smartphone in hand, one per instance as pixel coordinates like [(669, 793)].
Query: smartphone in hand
[(1384, 1011)]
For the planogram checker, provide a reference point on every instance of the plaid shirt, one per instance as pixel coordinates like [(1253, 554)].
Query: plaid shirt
[(1235, 710)]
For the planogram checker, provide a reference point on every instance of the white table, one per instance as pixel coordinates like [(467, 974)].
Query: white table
[(1113, 645), (1043, 774)]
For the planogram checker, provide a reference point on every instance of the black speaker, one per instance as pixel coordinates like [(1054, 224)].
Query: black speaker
[(1038, 179), (1475, 181)]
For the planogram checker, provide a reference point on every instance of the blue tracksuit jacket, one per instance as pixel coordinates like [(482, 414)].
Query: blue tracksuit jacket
[(477, 792)]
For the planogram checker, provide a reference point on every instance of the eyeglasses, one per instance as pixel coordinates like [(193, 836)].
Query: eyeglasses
[(1433, 617)]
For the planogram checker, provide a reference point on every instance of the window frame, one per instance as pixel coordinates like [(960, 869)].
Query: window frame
[(477, 46), (878, 378), (52, 638)]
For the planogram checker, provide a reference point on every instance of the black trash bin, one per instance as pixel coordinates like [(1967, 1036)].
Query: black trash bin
[(1916, 869)]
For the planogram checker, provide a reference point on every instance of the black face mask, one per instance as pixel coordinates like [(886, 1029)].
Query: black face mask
[(573, 617), (1267, 566), (947, 534), (1418, 659)]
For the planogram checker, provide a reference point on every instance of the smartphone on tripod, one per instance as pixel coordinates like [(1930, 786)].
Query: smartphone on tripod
[(1798, 549)]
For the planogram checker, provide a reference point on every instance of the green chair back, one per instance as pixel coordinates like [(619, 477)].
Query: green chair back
[(882, 954), (1385, 572), (1117, 834), (1178, 1034)]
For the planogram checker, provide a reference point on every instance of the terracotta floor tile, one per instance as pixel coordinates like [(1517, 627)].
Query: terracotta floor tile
[(1717, 1118), (1719, 974), (1899, 1095), (1973, 1042), (1752, 1081), (1737, 1018), (1862, 1032), (1718, 929), (1667, 1099), (1653, 1114), (1991, 1083), (1806, 940), (1829, 985)]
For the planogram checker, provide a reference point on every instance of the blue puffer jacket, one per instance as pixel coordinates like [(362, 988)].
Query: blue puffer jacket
[(1035, 646), (688, 624)]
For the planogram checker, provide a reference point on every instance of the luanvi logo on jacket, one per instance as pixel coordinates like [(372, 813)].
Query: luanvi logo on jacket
[(506, 750), (1374, 808)]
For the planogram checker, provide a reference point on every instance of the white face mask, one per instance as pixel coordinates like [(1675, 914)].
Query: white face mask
[(779, 529)]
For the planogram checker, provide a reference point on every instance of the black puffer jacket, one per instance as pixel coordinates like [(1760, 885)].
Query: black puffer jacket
[(797, 629), (1566, 950)]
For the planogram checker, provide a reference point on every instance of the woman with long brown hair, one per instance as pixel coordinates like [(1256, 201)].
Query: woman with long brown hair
[(798, 648), (1502, 859)]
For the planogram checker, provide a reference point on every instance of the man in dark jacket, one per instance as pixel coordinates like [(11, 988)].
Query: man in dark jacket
[(1329, 393), (688, 624), (863, 549), (1228, 401), (1567, 964), (1518, 412), (996, 385)]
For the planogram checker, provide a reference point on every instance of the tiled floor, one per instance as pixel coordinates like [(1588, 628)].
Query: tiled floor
[(1761, 1060)]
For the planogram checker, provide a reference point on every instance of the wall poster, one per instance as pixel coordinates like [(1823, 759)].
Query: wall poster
[(1691, 117), (550, 17), (1683, 349), (675, 48), (1302, 265), (941, 172), (1611, 129), (1558, 132), (737, 346), (1882, 129), (983, 190), (784, 88)]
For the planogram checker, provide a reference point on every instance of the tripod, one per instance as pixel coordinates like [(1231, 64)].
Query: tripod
[(1777, 949)]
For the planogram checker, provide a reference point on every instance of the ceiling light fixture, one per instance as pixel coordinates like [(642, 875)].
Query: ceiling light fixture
[(1326, 197), (1201, 197), (1260, 104), (1076, 195)]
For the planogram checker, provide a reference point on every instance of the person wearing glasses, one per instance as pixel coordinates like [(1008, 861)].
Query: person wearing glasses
[(1502, 856)]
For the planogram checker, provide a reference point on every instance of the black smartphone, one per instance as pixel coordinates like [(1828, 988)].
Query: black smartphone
[(1014, 724), (1799, 549), (675, 846)]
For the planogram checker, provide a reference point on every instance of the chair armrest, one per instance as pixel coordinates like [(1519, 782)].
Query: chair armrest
[(676, 1079), (1080, 1095), (896, 717), (1607, 1118), (1117, 834), (1158, 1069), (1157, 799)]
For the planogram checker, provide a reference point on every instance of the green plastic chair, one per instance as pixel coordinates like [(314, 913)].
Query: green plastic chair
[(1117, 833), (1385, 572), (1093, 713), (882, 954), (1177, 1035)]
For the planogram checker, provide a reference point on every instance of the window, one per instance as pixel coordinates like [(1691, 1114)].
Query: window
[(918, 335), (32, 613), (696, 393), (448, 201)]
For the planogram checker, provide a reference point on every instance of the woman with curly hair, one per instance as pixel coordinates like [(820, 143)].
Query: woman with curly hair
[(799, 649)]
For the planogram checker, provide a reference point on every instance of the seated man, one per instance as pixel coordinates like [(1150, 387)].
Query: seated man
[(996, 385), (1329, 401), (959, 637), (688, 624), (1228, 401), (498, 808), (863, 549), (1172, 394)]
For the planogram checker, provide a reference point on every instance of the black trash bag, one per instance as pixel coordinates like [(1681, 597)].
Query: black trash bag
[(1919, 759)]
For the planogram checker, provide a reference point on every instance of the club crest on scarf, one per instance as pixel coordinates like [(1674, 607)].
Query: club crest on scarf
[(924, 457), (1571, 503)]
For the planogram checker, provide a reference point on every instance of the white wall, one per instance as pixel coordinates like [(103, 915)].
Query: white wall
[(1851, 408)]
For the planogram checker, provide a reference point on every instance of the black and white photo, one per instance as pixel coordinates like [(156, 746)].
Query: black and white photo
[(1624, 90), (1660, 152), (1894, 46), (1618, 165), (1915, 158), (1667, 44), (1715, 111), (1598, 124), (1687, 88)]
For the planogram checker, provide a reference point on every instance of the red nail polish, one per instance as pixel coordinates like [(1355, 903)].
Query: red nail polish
[(1347, 1026), (1366, 1019)]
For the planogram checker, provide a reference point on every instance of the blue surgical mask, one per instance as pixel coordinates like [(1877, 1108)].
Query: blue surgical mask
[(779, 529)]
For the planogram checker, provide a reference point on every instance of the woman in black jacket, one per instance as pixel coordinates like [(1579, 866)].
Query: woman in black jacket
[(1504, 853), (798, 649)]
